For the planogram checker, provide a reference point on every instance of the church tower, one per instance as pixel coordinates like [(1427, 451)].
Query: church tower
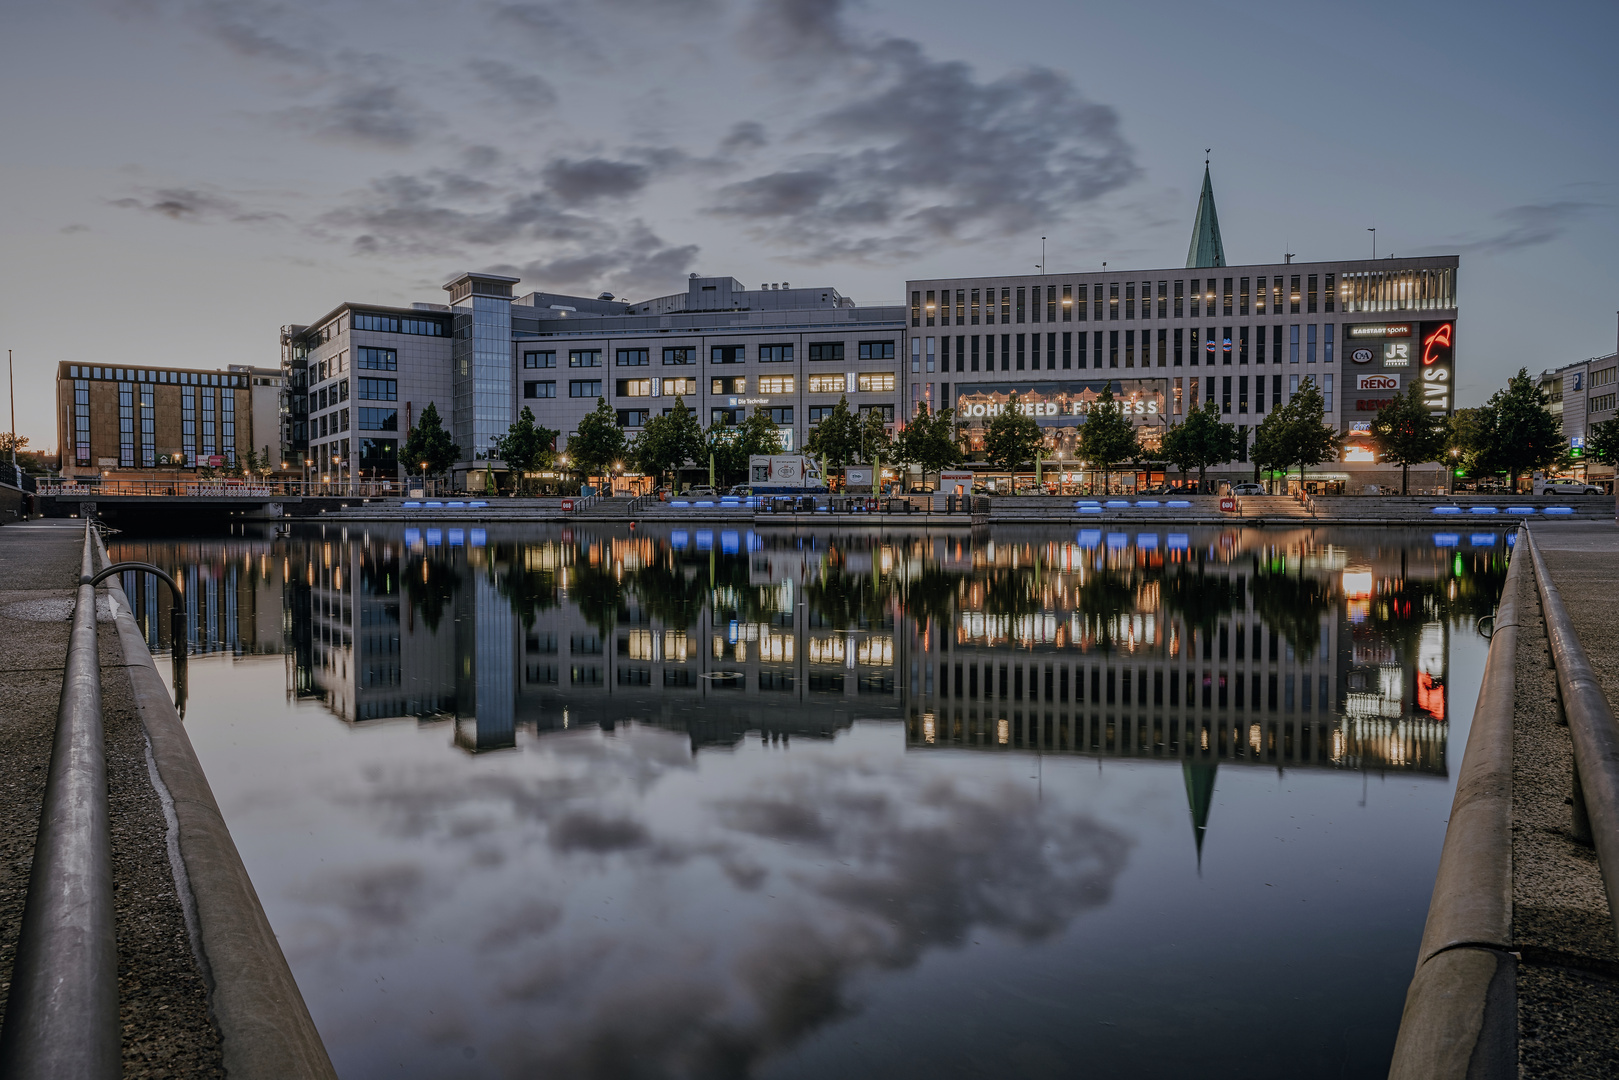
[(1206, 249)]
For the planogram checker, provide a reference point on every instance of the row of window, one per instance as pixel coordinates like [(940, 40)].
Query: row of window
[(1180, 347), (1232, 295), (174, 378), (675, 355), (865, 382), (1603, 402), (393, 324)]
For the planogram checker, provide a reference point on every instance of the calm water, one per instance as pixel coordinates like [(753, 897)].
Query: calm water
[(575, 802)]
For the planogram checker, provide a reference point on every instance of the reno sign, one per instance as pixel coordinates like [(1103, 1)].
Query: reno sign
[(1377, 382)]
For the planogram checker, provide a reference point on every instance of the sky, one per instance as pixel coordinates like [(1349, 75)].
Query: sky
[(183, 177)]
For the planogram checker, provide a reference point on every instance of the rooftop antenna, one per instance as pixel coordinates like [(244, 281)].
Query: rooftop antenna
[(1041, 265), (1373, 231)]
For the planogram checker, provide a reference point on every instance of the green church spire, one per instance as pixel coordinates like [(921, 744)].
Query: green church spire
[(1199, 776), (1206, 249)]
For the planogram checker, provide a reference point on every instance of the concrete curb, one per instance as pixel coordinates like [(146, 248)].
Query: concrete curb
[(1460, 1017), (265, 1028)]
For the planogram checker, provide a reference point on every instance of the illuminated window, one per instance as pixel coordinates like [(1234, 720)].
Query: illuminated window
[(776, 384), (679, 387), (916, 308), (961, 306), (827, 650), (827, 384), (633, 388), (932, 308), (875, 652), (1113, 301), (1006, 305), (1329, 292), (1259, 297), (1067, 303), (1293, 298), (875, 382), (1051, 303)]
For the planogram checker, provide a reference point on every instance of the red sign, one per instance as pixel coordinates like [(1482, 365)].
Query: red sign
[(1228, 505), (215, 461), (1371, 404), (567, 506), (1436, 344)]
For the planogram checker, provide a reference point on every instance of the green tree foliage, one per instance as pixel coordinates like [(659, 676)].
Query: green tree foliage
[(1602, 442), (1297, 433), (1107, 437), (929, 440), (429, 442), (1465, 431), (1011, 438), (1202, 440), (599, 442), (525, 446), (732, 446), (837, 437), (1517, 432), (668, 441), (875, 443), (1406, 431), (1270, 451)]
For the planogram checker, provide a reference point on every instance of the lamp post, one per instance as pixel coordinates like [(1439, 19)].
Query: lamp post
[(307, 463), (337, 471), (424, 478), (1455, 455)]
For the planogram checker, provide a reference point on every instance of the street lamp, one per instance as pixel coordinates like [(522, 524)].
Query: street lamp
[(1455, 455), (307, 463), (424, 478), (337, 468)]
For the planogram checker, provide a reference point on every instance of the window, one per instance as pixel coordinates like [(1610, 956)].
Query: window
[(775, 354), (887, 411), (1259, 298), (727, 354), (341, 391), (1329, 292), (1293, 343), (828, 350), (736, 384), (1197, 297), (378, 419), (377, 389), (916, 309), (1326, 343), (817, 413), (1129, 299), (679, 387), (546, 359), (378, 359), (1242, 297), (389, 324), (1180, 299), (975, 307), (1326, 392), (931, 308), (827, 384), (1293, 301), (1113, 301), (1309, 349), (776, 384), (1603, 402), (961, 307), (632, 417), (781, 414), (727, 417), (875, 382), (540, 389), (877, 350), (584, 358), (1226, 306), (1310, 301), (680, 354), (1021, 308), (1603, 377), (633, 388), (585, 388), (1006, 305), (632, 358)]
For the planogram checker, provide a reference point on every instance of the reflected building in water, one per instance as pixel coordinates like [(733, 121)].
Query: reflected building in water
[(232, 590)]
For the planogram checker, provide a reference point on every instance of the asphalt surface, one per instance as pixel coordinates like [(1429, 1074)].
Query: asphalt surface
[(163, 1001)]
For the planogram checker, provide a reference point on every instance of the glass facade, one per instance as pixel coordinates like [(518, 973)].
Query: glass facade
[(482, 373)]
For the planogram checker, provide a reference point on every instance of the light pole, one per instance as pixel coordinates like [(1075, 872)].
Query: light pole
[(1455, 455), (337, 471), (307, 463), (424, 478)]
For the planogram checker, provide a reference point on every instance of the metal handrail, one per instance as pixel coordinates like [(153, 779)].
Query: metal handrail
[(179, 645), (62, 1013), (1592, 729)]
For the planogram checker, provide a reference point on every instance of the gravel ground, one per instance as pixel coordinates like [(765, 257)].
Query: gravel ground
[(1568, 998), (167, 1030)]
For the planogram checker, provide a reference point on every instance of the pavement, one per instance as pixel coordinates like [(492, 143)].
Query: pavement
[(1568, 982), (163, 1000)]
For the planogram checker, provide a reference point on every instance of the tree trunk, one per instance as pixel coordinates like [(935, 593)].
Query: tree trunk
[(1405, 473)]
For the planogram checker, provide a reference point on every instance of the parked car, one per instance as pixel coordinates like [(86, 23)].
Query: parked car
[(704, 492), (1569, 487), (1248, 489)]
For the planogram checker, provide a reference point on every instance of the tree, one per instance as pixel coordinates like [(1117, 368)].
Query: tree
[(1202, 440), (598, 443), (731, 447), (929, 440), (1309, 439), (1602, 442), (525, 446), (429, 444), (1273, 449), (1107, 437), (1011, 437), (1406, 431), (668, 441), (875, 443), (836, 438), (760, 435), (1518, 433)]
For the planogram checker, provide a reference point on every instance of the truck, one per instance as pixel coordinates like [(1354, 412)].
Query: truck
[(785, 474)]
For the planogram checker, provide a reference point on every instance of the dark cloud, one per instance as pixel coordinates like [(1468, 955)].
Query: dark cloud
[(548, 25), (192, 205), (922, 152), (363, 110), (522, 89), (744, 136), (577, 183), (1527, 226), (589, 832)]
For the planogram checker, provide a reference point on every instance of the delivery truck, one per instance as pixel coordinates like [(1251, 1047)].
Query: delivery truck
[(785, 474)]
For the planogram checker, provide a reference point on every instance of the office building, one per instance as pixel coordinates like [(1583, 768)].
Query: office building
[(358, 378), (152, 422), (1170, 340), (1581, 396)]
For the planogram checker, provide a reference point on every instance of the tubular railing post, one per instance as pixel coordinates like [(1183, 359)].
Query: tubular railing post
[(177, 620), (62, 1013)]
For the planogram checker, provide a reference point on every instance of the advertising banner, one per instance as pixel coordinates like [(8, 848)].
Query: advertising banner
[(1438, 341)]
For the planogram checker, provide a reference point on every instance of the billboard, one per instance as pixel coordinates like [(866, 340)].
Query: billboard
[(1060, 407), (1438, 342)]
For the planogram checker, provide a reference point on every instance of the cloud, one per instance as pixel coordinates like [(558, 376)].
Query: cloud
[(191, 205), (921, 152), (69, 230), (523, 89), (744, 136), (363, 110), (248, 29), (1527, 226), (576, 183), (549, 26)]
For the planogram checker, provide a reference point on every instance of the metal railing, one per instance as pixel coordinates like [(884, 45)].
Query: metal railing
[(1592, 729), (227, 488), (62, 1013)]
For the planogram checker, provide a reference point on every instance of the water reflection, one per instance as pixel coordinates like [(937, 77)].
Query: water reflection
[(618, 900)]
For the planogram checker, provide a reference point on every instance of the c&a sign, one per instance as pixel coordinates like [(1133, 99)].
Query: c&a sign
[(1438, 344)]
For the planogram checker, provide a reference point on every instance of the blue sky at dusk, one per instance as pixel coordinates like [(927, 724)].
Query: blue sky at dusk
[(182, 178)]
